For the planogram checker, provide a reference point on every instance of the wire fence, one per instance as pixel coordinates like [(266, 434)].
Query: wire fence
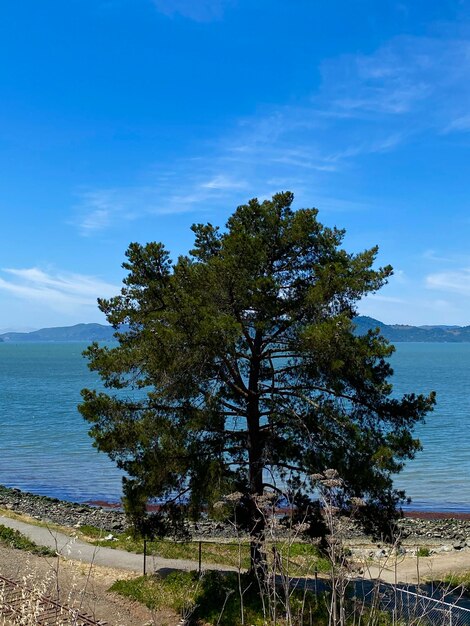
[(207, 558), (426, 605), (414, 608)]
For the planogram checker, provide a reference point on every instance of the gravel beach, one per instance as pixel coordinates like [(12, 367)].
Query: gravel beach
[(447, 529)]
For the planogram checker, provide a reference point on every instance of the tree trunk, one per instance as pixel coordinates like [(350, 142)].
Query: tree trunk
[(255, 463)]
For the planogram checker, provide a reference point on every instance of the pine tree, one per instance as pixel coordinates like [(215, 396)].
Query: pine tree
[(238, 369)]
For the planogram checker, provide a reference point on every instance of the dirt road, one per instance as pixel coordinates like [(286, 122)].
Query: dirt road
[(412, 570)]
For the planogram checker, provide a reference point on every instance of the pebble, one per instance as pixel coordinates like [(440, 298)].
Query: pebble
[(453, 533), (61, 512)]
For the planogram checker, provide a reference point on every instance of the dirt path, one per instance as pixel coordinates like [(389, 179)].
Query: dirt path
[(412, 569), (73, 548)]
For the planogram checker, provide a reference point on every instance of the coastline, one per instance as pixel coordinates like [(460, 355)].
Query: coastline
[(444, 530), (436, 515)]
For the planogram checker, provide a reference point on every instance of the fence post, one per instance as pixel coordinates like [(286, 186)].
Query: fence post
[(200, 558), (145, 557)]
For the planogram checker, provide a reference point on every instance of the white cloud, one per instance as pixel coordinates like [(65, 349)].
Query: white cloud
[(366, 105), (453, 281), (221, 181), (392, 80), (399, 276), (460, 124), (102, 209), (410, 85), (167, 192), (62, 291)]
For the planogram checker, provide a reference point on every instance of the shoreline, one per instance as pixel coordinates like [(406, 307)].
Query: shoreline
[(444, 530), (436, 515), (114, 506), (422, 514)]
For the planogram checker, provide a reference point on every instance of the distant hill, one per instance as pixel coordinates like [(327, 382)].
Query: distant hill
[(394, 332), (79, 332), (403, 333)]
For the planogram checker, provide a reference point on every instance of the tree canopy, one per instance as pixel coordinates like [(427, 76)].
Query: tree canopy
[(238, 369)]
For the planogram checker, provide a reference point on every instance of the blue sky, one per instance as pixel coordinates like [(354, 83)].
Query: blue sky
[(128, 120)]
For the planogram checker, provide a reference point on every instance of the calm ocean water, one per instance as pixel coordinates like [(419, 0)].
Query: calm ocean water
[(45, 448), (44, 445)]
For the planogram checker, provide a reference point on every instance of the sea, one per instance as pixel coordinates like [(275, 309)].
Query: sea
[(45, 447)]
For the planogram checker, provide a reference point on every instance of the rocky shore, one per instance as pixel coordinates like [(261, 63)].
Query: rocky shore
[(439, 531), (52, 510)]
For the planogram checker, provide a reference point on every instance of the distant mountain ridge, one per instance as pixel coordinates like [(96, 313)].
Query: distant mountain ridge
[(403, 333), (394, 332), (79, 332)]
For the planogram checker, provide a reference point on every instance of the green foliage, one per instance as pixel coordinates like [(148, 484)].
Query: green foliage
[(454, 580), (214, 598), (423, 551), (239, 362), (93, 532), (304, 556), (301, 559), (14, 539), (177, 591)]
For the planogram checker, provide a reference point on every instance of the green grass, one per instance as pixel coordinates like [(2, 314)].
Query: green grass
[(423, 551), (214, 598), (177, 591), (92, 532), (300, 559), (14, 539), (305, 558), (456, 580)]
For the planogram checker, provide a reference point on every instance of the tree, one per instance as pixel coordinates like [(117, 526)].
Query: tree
[(238, 369)]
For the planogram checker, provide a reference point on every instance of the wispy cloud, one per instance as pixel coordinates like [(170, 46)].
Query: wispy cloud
[(399, 276), (366, 106), (167, 192), (459, 124), (198, 10), (98, 209), (400, 80), (222, 181), (453, 281), (457, 259), (60, 291)]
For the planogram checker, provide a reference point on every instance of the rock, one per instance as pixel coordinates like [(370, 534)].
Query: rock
[(446, 548), (449, 533)]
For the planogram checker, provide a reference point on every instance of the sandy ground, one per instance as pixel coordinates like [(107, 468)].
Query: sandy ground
[(412, 570), (79, 585)]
